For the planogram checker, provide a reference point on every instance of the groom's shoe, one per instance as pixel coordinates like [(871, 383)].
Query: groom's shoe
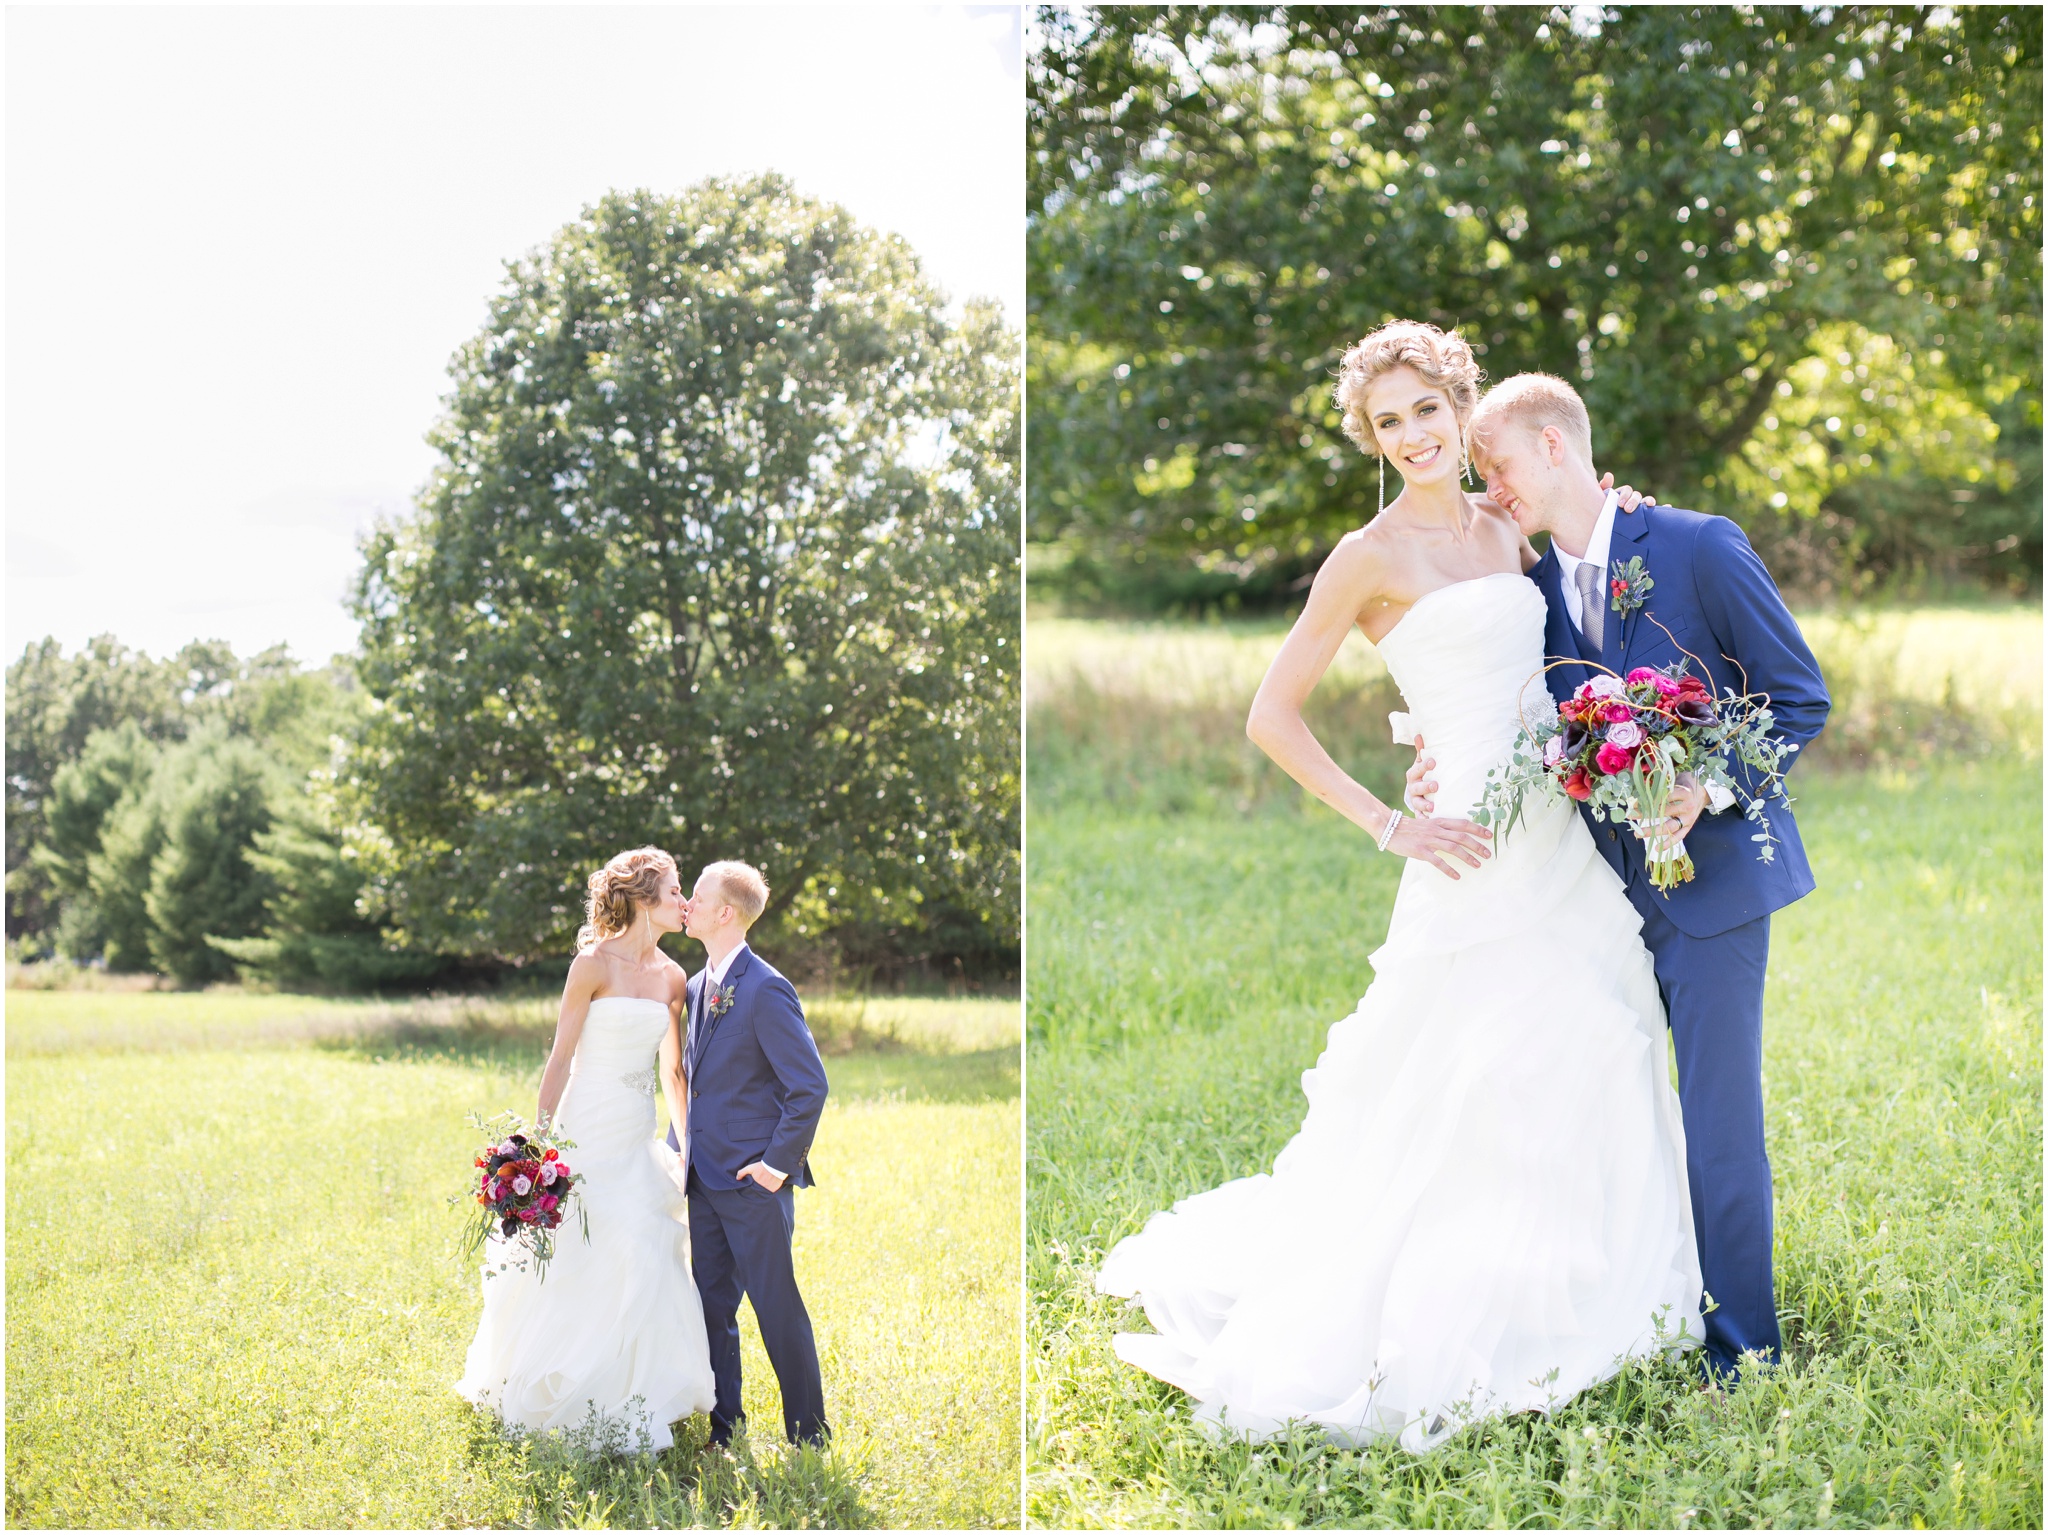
[(721, 1433)]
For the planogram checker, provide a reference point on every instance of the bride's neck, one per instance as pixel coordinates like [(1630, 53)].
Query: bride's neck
[(1443, 504), (636, 945)]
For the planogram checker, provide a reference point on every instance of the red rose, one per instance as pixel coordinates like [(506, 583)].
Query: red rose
[(1612, 758), (1691, 685), (1580, 784), (551, 1155)]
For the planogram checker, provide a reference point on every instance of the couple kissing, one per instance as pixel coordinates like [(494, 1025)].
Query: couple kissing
[(634, 1328)]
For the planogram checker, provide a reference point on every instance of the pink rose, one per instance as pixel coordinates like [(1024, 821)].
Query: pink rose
[(1553, 751), (522, 1186), (1619, 711), (1603, 686), (1666, 688), (1613, 759), (547, 1173), (548, 1201), (1643, 674), (1627, 733)]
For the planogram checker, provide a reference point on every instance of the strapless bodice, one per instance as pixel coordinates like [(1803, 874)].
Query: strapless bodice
[(622, 1032), (608, 1105), (1468, 659)]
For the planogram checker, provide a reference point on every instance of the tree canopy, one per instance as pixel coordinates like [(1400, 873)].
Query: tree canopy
[(720, 555), (1790, 257)]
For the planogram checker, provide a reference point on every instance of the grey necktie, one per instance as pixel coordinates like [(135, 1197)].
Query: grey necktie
[(1592, 617)]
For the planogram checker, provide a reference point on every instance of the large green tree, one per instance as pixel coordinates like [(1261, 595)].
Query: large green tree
[(1674, 207), (721, 555)]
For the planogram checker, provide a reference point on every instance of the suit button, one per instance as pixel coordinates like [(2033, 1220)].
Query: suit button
[(1610, 834)]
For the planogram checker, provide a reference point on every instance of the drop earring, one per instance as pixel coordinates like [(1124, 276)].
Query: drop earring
[(1383, 483)]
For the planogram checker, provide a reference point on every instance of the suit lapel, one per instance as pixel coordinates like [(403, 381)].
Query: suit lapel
[(693, 997), (1630, 529), (1562, 640), (708, 1021)]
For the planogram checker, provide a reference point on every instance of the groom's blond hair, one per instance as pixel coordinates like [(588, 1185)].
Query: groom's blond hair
[(745, 891), (1531, 401)]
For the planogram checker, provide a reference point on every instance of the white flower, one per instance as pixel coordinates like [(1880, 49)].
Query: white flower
[(1553, 751), (1627, 733), (522, 1185), (548, 1172), (507, 1149), (1606, 685)]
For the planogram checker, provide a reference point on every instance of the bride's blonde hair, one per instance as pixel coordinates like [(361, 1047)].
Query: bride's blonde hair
[(617, 891), (1442, 358)]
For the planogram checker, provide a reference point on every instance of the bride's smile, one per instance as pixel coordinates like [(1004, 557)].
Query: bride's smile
[(1416, 427)]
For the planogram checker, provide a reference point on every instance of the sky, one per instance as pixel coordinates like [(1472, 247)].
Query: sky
[(242, 244)]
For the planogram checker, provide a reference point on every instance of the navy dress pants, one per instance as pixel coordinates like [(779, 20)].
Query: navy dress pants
[(740, 1244), (1714, 993)]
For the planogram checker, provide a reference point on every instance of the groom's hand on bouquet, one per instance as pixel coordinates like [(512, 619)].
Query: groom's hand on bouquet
[(759, 1172), (1687, 799)]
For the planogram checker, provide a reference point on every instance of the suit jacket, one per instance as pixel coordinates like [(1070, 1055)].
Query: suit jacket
[(1718, 602), (757, 1086)]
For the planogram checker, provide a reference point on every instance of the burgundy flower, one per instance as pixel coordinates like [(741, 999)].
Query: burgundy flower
[(1695, 709)]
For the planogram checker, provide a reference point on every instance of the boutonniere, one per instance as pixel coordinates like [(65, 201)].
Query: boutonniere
[(719, 1003), (1630, 585)]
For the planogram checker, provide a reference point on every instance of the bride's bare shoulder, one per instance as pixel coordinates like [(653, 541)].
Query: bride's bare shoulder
[(1358, 565)]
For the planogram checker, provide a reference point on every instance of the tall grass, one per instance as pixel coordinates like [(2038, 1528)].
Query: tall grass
[(1152, 714), (1195, 928), (234, 1296)]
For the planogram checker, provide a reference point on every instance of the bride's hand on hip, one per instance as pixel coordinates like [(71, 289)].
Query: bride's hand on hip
[(1439, 842)]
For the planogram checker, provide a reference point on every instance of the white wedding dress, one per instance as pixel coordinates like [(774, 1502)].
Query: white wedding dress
[(614, 1333), (1485, 1209)]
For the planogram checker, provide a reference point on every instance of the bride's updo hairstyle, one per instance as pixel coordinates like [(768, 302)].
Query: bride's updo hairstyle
[(1442, 359), (618, 890)]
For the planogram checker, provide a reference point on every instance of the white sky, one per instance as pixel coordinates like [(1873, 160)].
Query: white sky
[(242, 243)]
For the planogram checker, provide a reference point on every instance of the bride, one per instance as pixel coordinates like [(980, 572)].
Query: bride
[(1485, 1209), (614, 1335)]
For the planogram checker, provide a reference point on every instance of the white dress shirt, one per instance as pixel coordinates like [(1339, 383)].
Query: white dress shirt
[(1596, 555), (714, 975), (716, 968)]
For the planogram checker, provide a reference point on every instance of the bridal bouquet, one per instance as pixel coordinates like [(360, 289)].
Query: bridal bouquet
[(522, 1192), (1619, 744)]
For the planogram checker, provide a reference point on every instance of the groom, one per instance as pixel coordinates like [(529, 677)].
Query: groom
[(1709, 938), (756, 1090)]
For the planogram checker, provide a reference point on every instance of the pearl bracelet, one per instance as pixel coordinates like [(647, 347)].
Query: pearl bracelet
[(1387, 831)]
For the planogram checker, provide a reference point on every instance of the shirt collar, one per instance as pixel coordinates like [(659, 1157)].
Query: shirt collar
[(717, 972), (1596, 546)]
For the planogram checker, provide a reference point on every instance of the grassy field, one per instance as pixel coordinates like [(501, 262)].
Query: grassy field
[(202, 1329), (1195, 929)]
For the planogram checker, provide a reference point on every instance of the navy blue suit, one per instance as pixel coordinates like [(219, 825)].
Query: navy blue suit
[(757, 1088), (1710, 938)]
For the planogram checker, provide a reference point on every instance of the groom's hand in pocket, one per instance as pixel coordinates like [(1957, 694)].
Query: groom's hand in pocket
[(758, 1171)]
